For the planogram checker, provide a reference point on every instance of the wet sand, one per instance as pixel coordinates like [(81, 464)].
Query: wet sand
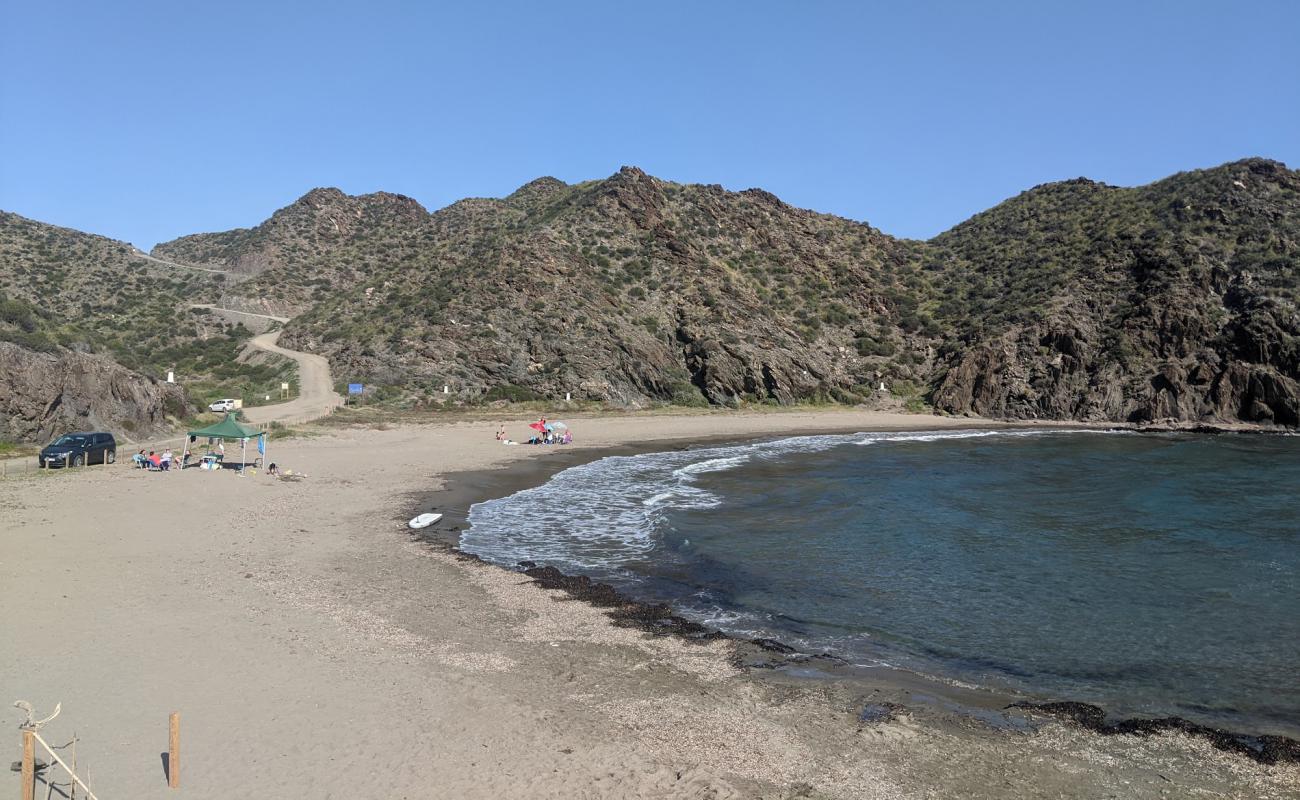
[(315, 648)]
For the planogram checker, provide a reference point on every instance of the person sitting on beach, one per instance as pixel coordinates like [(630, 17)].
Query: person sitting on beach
[(568, 437), (166, 461), (155, 460), (272, 469), (141, 460), (501, 434)]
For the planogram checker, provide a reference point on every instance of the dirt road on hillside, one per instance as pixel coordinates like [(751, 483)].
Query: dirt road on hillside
[(316, 395)]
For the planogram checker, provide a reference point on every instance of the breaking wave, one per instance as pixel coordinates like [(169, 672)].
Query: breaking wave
[(598, 518)]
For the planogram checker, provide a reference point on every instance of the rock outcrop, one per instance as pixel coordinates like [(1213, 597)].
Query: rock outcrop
[(45, 394), (1177, 300)]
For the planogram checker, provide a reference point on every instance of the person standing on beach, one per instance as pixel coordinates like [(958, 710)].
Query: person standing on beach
[(501, 434)]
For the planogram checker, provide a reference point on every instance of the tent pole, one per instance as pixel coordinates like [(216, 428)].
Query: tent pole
[(243, 456)]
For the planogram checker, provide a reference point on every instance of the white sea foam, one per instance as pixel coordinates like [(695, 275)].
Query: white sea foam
[(601, 517), (710, 465), (939, 436), (657, 499)]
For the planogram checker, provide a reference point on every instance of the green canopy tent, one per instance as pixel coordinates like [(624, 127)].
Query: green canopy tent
[(228, 428)]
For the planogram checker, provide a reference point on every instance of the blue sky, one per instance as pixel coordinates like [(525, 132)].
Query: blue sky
[(148, 120)]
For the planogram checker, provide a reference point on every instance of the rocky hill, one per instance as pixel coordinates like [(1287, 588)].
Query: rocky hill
[(1078, 300), (629, 289), (1073, 300), (91, 327), (324, 240)]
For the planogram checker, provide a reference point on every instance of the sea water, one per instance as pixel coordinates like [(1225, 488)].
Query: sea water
[(1152, 574)]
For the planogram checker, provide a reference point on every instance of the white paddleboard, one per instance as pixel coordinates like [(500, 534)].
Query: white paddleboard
[(424, 520)]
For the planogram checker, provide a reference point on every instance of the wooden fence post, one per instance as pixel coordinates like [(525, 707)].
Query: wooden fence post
[(29, 765), (174, 750)]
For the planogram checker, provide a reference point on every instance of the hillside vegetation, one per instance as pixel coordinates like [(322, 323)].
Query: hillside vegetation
[(1072, 300), (76, 303), (1079, 300)]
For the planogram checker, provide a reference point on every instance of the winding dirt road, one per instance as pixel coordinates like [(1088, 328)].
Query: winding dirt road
[(211, 307), (316, 395), (231, 276)]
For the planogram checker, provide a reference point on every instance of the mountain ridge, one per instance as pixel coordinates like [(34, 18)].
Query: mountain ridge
[(991, 287), (1072, 299)]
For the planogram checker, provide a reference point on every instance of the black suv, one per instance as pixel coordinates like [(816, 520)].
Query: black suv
[(79, 449)]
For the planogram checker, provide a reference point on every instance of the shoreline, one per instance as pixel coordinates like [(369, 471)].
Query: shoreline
[(765, 658), (315, 647)]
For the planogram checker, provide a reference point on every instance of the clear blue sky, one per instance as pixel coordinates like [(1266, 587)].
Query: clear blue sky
[(148, 120)]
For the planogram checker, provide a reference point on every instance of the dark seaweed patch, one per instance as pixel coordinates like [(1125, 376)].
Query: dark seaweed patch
[(1264, 749), (654, 618)]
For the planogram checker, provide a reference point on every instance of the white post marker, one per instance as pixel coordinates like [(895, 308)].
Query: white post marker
[(446, 389), (568, 396)]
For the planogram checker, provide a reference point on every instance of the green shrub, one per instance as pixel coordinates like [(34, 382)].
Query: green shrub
[(867, 346), (687, 394), (512, 393)]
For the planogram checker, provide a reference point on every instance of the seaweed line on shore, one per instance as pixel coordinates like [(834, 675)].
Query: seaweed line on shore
[(658, 619)]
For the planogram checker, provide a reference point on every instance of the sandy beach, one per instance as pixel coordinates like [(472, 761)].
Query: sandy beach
[(314, 648)]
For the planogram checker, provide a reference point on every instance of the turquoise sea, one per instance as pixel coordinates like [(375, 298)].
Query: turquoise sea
[(1151, 574)]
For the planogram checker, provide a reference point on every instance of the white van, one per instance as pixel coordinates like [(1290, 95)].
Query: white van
[(225, 405)]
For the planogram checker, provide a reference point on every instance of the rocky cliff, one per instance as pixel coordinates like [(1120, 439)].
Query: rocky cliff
[(1083, 301), (44, 394)]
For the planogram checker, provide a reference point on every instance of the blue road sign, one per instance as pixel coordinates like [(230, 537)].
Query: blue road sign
[(355, 388)]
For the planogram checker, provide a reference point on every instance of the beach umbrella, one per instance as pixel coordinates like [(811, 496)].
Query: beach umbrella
[(537, 426), (558, 426)]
